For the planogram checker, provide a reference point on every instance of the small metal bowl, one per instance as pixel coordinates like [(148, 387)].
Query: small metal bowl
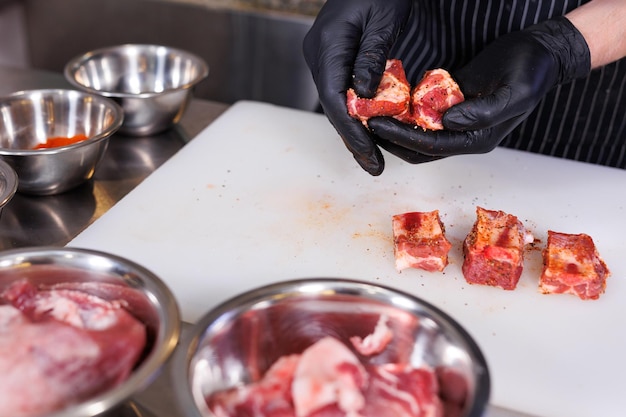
[(148, 299), (8, 183), (235, 343), (31, 117), (152, 83)]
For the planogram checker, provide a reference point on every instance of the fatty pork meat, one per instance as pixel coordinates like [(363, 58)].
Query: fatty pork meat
[(269, 397), (419, 241), (59, 347), (572, 265), (328, 380), (434, 94), (374, 342), (494, 249), (422, 105), (391, 99)]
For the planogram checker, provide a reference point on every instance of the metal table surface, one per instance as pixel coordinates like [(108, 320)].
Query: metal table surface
[(55, 220)]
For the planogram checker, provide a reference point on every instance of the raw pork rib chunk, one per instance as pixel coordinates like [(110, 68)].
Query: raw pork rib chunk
[(572, 265), (494, 249), (423, 106), (391, 98), (419, 241), (58, 347), (430, 99)]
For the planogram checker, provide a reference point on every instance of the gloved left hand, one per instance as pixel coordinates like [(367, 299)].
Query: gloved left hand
[(347, 47), (502, 85)]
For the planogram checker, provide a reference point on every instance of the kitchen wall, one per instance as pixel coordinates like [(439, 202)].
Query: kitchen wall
[(13, 48), (302, 7), (253, 47)]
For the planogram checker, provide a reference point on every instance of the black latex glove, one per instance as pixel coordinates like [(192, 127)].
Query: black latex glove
[(348, 46), (502, 85)]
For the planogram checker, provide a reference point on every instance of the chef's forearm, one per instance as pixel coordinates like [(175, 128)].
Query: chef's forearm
[(603, 24)]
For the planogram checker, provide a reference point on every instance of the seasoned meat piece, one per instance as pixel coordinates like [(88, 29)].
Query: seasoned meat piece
[(423, 106), (494, 249), (572, 265), (391, 99), (419, 241), (58, 347), (430, 99)]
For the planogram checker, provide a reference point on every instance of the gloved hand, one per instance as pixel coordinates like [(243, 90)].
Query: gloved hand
[(502, 85), (348, 46)]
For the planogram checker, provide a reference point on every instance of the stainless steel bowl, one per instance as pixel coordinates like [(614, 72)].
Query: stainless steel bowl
[(8, 183), (31, 117), (150, 301), (152, 83), (236, 342)]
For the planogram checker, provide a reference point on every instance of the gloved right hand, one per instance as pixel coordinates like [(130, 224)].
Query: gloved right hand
[(502, 85), (348, 46)]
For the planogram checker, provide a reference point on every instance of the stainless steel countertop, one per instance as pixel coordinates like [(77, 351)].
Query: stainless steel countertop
[(55, 220)]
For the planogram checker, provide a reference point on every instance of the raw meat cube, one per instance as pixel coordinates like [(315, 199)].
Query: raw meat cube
[(572, 265), (419, 241), (424, 105), (391, 98), (494, 249), (430, 99)]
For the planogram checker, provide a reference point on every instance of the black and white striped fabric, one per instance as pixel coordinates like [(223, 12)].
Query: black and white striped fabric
[(584, 120)]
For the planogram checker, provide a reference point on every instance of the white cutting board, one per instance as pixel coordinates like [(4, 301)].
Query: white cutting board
[(267, 193)]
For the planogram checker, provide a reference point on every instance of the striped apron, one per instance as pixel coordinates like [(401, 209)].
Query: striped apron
[(584, 120)]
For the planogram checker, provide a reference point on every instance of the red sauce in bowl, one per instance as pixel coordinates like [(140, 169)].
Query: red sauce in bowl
[(60, 141)]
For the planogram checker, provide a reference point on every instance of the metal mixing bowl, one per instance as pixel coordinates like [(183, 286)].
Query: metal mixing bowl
[(8, 183), (149, 299), (236, 342), (152, 83), (32, 117)]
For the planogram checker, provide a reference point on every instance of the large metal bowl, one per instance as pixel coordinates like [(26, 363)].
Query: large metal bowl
[(152, 83), (32, 117), (148, 299), (236, 342)]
